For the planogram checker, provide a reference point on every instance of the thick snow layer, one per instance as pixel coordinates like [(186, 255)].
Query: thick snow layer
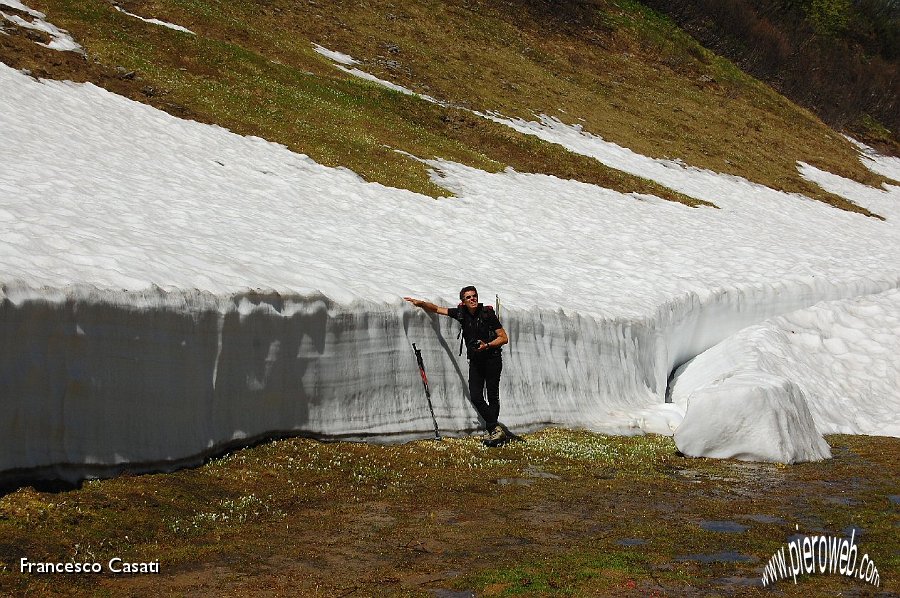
[(169, 287), (751, 416), (831, 368)]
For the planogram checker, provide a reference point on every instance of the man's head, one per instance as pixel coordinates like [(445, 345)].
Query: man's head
[(469, 296)]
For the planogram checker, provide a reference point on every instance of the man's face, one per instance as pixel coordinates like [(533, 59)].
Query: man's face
[(470, 299)]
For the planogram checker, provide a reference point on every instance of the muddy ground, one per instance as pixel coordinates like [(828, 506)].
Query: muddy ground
[(560, 513)]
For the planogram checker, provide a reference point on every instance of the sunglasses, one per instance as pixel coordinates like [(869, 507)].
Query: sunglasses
[(467, 297)]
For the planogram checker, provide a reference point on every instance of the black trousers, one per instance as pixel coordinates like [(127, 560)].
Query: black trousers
[(484, 374)]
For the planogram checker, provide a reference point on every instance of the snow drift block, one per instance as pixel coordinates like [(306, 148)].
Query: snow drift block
[(753, 417)]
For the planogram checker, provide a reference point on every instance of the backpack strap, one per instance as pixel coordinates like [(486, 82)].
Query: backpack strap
[(459, 336)]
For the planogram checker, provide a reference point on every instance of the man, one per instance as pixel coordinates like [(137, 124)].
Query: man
[(484, 337)]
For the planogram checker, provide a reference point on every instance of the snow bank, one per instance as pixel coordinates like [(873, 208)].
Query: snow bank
[(770, 391), (176, 289), (754, 417)]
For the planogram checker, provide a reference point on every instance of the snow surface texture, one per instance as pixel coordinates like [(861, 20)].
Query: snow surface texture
[(132, 333)]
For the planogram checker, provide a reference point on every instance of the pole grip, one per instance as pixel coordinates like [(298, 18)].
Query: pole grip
[(422, 370)]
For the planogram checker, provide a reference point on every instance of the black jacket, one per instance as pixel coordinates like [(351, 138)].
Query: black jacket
[(482, 325)]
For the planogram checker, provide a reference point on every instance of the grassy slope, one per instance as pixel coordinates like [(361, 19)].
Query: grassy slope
[(620, 70)]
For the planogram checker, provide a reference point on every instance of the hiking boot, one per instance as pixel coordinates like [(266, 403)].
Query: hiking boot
[(480, 435), (496, 435)]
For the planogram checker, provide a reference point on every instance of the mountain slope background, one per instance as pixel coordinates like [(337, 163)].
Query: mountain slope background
[(618, 68), (836, 57)]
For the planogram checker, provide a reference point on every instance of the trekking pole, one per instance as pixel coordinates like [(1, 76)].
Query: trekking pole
[(437, 435), (497, 297)]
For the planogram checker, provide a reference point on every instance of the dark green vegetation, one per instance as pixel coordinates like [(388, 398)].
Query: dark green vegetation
[(839, 58), (616, 67), (562, 514)]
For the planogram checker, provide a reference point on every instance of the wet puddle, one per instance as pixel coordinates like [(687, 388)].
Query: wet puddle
[(764, 519), (730, 527), (847, 532), (631, 542), (452, 593), (841, 500), (894, 498), (514, 482), (536, 472), (739, 581), (725, 556)]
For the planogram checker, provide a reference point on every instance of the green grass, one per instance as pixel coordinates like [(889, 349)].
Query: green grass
[(562, 575)]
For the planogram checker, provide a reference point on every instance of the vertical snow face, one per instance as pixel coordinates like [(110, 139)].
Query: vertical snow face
[(96, 378), (92, 377)]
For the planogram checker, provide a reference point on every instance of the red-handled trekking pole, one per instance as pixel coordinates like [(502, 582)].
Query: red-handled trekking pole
[(437, 435)]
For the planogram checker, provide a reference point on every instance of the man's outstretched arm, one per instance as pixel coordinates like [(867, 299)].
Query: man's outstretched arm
[(430, 307)]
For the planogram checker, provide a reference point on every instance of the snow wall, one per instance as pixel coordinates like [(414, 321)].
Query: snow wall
[(95, 381)]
